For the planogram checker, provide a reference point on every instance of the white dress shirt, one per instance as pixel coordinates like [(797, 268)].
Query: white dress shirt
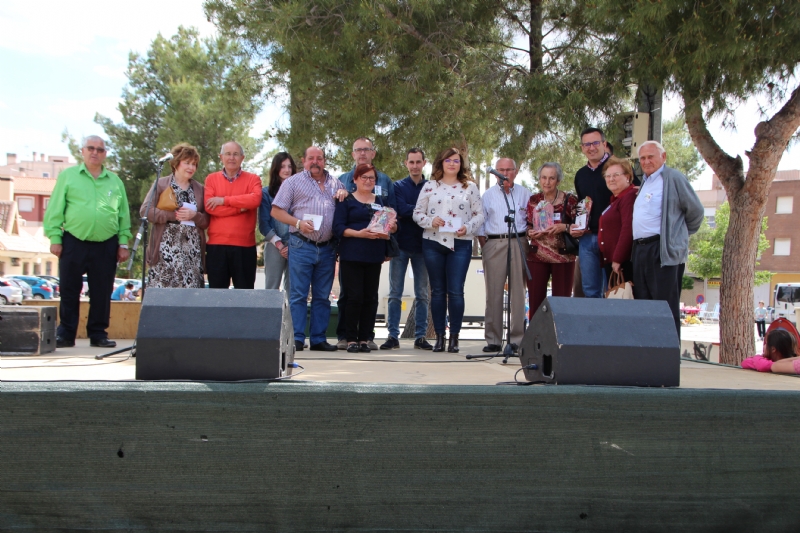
[(647, 208), (495, 210)]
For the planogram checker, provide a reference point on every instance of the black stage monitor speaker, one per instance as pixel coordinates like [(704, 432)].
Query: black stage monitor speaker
[(591, 341), (214, 334)]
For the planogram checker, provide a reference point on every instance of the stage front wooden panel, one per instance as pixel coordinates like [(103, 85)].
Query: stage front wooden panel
[(305, 456)]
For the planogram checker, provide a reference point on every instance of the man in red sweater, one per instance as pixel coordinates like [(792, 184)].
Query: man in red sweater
[(232, 200)]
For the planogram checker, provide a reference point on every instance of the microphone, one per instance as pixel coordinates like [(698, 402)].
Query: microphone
[(496, 173), (166, 158)]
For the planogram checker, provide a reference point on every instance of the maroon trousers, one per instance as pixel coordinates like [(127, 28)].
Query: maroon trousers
[(562, 274)]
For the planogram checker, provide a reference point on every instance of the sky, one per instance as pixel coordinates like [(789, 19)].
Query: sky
[(65, 60)]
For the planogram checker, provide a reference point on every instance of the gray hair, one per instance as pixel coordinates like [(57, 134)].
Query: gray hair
[(657, 144), (515, 163), (222, 149), (92, 138), (553, 165)]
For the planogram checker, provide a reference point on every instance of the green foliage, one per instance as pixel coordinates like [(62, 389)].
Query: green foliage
[(186, 89), (424, 73), (687, 283), (705, 247), (681, 153)]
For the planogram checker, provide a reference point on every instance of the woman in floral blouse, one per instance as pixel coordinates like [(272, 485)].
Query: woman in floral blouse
[(449, 210), (546, 257)]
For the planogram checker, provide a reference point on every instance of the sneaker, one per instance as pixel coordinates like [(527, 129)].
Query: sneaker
[(391, 344), (342, 344), (422, 344), (372, 345)]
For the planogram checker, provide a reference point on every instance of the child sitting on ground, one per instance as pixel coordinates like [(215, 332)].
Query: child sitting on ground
[(779, 356)]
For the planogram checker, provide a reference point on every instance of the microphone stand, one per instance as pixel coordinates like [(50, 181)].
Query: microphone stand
[(141, 237), (509, 219)]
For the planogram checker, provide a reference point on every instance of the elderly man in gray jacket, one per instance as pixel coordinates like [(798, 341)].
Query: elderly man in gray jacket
[(666, 212)]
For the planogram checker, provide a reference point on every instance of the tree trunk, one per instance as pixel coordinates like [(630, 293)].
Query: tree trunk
[(410, 326), (747, 198), (300, 112)]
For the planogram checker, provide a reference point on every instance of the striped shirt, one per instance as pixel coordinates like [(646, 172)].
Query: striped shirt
[(301, 195), (495, 210)]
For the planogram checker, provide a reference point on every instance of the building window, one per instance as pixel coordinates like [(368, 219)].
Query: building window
[(45, 174), (46, 202), (782, 247), (784, 206), (37, 269), (26, 269), (48, 268), (25, 203), (2, 268)]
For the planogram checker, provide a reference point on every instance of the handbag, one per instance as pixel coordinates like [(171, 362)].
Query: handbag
[(167, 201), (619, 288), (571, 244)]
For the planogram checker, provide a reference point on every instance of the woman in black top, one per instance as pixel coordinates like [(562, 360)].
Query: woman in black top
[(361, 253)]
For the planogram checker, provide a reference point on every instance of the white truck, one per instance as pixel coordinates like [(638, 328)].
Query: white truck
[(787, 296)]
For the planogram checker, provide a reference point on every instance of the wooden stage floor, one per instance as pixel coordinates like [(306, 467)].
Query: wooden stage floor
[(404, 366)]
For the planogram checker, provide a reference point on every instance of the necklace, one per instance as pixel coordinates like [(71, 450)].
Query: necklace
[(548, 200)]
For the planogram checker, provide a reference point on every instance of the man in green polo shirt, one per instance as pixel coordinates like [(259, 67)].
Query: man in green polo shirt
[(89, 226)]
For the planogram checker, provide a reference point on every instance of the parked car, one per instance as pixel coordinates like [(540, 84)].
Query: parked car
[(9, 294), (55, 283), (27, 292), (42, 290)]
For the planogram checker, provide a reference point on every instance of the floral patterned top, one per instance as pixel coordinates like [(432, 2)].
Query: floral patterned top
[(440, 200), (547, 249)]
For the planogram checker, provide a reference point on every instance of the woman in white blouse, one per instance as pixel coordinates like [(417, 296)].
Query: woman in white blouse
[(449, 210)]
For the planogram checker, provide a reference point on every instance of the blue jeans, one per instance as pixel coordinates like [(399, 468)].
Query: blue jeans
[(447, 271), (593, 277), (310, 266), (397, 274)]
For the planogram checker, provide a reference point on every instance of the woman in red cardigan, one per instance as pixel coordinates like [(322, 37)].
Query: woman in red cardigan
[(615, 238)]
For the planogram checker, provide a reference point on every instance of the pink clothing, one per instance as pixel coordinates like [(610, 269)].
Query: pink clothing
[(761, 363), (796, 365)]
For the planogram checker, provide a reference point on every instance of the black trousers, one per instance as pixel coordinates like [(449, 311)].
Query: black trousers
[(360, 281), (651, 281), (225, 263), (762, 328), (98, 260), (341, 325)]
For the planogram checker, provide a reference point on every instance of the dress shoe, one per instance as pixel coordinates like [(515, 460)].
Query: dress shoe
[(372, 345), (491, 348), (102, 343), (61, 342), (342, 344), (323, 347), (298, 346), (364, 348), (439, 346), (452, 344), (391, 344), (353, 347), (422, 344)]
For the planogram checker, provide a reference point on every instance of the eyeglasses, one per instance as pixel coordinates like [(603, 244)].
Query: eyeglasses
[(368, 178), (593, 143), (234, 154), (363, 150), (616, 175), (452, 161), (95, 149)]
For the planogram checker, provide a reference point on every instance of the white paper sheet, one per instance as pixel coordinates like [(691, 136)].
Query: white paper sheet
[(193, 207), (316, 219), (451, 225)]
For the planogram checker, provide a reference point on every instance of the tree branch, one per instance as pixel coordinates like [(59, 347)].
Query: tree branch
[(411, 30), (728, 169)]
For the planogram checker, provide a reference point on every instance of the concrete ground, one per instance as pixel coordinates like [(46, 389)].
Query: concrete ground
[(403, 366)]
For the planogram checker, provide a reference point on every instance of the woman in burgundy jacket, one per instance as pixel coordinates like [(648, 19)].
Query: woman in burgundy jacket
[(615, 238)]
